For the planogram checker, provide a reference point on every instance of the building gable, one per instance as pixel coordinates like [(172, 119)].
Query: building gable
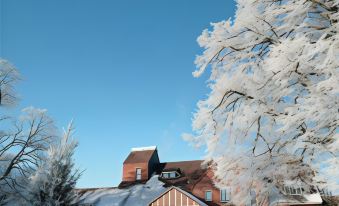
[(178, 197)]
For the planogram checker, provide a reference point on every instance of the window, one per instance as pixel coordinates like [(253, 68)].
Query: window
[(325, 192), (224, 195), (293, 190), (172, 175), (169, 175), (165, 175), (208, 195), (253, 197), (138, 173)]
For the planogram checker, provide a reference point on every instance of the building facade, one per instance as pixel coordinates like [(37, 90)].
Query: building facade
[(148, 182), (188, 177)]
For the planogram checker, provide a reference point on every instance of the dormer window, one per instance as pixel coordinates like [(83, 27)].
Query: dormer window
[(293, 190), (171, 174)]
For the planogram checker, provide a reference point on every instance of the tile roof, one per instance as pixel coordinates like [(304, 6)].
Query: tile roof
[(191, 173), (139, 156), (187, 166)]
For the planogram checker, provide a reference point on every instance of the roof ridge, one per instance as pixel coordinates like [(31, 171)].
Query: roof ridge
[(96, 188), (137, 149), (184, 161)]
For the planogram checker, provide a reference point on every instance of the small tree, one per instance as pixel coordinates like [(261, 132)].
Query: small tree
[(53, 183), (272, 114)]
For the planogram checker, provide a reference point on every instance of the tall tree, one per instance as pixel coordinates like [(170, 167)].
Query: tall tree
[(272, 114), (29, 153), (23, 139), (54, 182)]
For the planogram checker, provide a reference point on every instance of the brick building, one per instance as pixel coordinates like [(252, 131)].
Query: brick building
[(191, 177), (184, 183)]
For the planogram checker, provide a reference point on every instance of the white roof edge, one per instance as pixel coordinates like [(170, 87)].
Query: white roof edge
[(135, 149), (310, 199)]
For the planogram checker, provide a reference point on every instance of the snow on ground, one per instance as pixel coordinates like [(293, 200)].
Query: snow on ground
[(137, 195)]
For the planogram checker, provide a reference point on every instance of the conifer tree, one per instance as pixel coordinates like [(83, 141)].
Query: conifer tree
[(54, 182)]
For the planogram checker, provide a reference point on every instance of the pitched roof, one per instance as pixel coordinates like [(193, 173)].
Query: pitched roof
[(140, 155), (188, 167), (277, 198), (191, 173), (136, 195), (330, 200)]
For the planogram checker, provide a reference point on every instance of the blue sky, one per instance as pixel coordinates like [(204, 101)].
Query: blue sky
[(120, 69)]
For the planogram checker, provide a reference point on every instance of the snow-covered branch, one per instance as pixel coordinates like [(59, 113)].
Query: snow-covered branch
[(272, 113)]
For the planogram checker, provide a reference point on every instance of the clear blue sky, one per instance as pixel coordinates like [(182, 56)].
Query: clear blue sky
[(120, 69)]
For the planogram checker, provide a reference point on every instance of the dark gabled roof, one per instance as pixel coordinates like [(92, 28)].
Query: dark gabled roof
[(141, 156), (172, 170), (191, 173), (185, 166), (330, 200), (81, 191), (127, 184)]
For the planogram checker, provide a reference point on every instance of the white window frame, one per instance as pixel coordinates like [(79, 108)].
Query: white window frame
[(227, 197), (206, 191), (138, 176), (253, 196), (175, 172), (293, 190)]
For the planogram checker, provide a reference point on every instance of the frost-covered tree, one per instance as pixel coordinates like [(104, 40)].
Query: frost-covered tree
[(54, 181), (23, 139), (271, 117), (9, 76), (26, 154)]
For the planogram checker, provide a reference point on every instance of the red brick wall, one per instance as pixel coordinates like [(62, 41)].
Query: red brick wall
[(204, 184), (128, 172)]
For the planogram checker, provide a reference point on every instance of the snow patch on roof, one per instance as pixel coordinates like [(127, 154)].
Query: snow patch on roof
[(277, 198), (137, 195), (314, 198), (135, 149)]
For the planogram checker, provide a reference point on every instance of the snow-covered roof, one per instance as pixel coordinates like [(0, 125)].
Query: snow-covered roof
[(313, 198), (278, 198), (135, 149), (137, 195), (141, 155)]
